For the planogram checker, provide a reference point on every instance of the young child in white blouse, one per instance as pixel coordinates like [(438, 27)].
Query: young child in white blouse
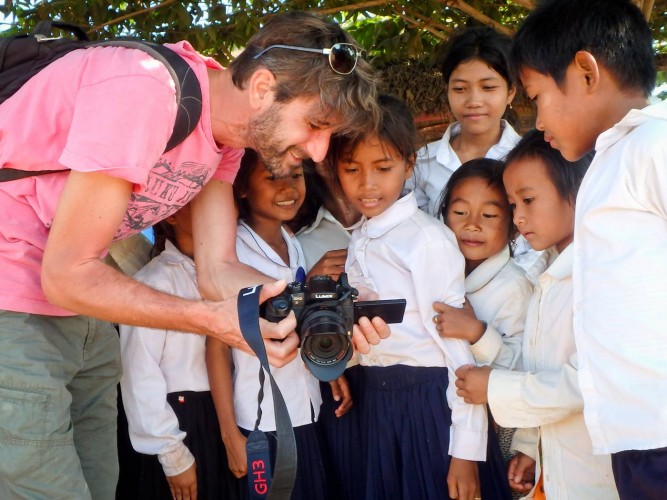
[(171, 417), (265, 202), (475, 207), (420, 440), (542, 187)]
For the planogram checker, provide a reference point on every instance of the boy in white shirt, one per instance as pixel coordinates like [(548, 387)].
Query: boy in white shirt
[(589, 67)]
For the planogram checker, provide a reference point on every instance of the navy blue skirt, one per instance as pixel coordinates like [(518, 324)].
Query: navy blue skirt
[(142, 476), (405, 423), (342, 436)]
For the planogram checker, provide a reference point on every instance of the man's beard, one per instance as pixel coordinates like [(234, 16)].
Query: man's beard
[(264, 136)]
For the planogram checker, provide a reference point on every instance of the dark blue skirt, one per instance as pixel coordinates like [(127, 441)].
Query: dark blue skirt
[(405, 422), (344, 459), (142, 476)]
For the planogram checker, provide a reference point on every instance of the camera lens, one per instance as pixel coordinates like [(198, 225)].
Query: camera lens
[(324, 337)]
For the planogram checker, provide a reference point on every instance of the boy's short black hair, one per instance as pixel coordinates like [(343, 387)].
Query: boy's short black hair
[(565, 175), (613, 31)]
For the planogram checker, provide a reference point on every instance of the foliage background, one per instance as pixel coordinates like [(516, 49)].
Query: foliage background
[(403, 38)]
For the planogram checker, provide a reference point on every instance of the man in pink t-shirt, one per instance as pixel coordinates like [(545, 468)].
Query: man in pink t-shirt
[(105, 114)]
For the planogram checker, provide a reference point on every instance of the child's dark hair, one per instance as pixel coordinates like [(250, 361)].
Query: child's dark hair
[(565, 175), (397, 129), (482, 43), (162, 231), (249, 163), (613, 31), (480, 168)]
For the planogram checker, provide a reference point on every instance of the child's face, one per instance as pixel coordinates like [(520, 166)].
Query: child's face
[(478, 214), (275, 199), (542, 216), (565, 114), (478, 96), (372, 176)]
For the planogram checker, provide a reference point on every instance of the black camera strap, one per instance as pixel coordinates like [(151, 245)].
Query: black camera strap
[(260, 482)]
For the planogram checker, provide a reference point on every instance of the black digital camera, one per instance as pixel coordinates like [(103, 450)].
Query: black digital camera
[(325, 312)]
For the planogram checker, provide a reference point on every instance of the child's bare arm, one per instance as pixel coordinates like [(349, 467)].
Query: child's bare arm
[(219, 366), (463, 479)]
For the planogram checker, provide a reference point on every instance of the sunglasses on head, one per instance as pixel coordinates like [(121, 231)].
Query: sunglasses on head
[(343, 57)]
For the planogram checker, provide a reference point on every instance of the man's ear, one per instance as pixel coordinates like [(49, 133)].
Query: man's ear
[(587, 67), (260, 88)]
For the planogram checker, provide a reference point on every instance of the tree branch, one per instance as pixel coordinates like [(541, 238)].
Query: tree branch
[(428, 21), (647, 7), (420, 25), (528, 4), (354, 6), (130, 15), (475, 14)]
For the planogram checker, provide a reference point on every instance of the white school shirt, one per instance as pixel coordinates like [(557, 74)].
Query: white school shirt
[(546, 393), (298, 387), (620, 284), (438, 161), (324, 234), (406, 253), (159, 362), (499, 293)]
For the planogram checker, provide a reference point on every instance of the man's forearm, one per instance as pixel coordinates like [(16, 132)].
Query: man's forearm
[(97, 290)]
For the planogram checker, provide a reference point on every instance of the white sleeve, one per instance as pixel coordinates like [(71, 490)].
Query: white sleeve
[(525, 441), (417, 182), (500, 345), (153, 426), (524, 399), (649, 185), (468, 433)]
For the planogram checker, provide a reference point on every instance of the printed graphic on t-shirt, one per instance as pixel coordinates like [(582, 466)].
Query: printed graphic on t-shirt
[(167, 190)]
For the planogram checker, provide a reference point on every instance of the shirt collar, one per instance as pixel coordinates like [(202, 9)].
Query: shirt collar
[(487, 270), (446, 155), (253, 240), (322, 214), (402, 209), (558, 266), (632, 119), (173, 256)]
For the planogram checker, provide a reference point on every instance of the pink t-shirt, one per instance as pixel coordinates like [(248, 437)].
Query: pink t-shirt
[(107, 109)]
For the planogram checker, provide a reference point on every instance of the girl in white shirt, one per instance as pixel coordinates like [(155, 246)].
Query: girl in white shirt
[(542, 188), (480, 86), (171, 418), (475, 207), (420, 440), (265, 202)]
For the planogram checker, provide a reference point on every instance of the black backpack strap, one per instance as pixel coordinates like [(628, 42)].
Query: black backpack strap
[(188, 93), (188, 90), (45, 28)]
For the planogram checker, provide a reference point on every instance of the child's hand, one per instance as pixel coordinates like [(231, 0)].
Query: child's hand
[(369, 332), (521, 473), (341, 389), (236, 454), (331, 263), (463, 479), (458, 322), (472, 383), (184, 485)]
